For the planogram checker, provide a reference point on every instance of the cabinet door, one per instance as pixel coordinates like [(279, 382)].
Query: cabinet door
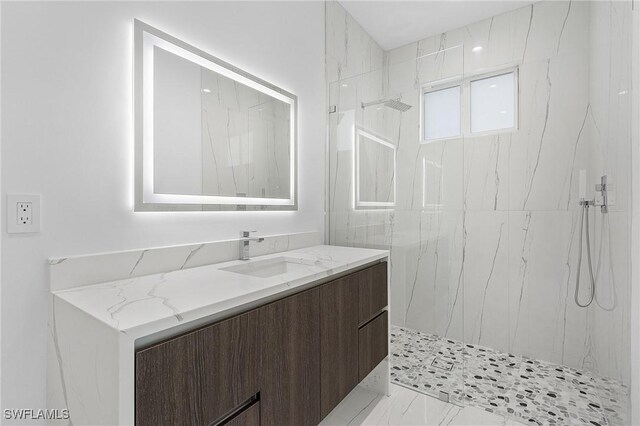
[(338, 341), (199, 377), (290, 380)]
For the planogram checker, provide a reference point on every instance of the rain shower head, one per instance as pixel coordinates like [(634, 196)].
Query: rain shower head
[(391, 103), (396, 104)]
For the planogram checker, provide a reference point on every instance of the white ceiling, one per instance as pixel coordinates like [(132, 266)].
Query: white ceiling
[(396, 23)]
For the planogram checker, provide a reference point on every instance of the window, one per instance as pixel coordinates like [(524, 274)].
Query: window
[(442, 113), (471, 106), (493, 103)]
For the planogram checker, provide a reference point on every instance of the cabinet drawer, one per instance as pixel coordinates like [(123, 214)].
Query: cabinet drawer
[(196, 378), (373, 344), (372, 284)]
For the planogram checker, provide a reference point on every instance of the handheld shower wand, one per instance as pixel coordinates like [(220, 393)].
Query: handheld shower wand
[(584, 217)]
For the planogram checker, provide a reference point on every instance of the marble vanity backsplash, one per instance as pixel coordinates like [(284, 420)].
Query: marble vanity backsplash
[(69, 272)]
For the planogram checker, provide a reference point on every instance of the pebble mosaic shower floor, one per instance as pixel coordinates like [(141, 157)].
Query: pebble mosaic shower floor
[(527, 390)]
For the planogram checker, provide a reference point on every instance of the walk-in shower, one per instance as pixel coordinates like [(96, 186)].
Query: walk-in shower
[(492, 251)]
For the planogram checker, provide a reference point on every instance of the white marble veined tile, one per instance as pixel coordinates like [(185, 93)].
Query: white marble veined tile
[(429, 246), (486, 280), (545, 322), (351, 49), (528, 34), (546, 152), (503, 39), (486, 172), (435, 180), (556, 28), (609, 316), (405, 407), (363, 228), (610, 98), (433, 67)]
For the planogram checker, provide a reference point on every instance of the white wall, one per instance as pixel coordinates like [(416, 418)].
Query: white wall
[(67, 110)]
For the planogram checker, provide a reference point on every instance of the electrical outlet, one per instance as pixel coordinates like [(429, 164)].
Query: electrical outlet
[(23, 214)]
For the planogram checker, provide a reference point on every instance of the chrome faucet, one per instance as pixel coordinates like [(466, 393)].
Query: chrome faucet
[(244, 243)]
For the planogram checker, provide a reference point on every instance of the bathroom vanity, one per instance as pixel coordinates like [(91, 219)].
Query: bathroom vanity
[(279, 339)]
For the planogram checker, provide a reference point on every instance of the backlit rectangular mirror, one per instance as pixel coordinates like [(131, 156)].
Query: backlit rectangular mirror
[(209, 136)]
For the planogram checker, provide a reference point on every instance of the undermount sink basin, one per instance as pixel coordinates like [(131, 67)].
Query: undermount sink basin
[(267, 268)]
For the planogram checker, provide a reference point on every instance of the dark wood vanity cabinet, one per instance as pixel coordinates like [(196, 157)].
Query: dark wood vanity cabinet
[(338, 340), (289, 362), (290, 375), (199, 377)]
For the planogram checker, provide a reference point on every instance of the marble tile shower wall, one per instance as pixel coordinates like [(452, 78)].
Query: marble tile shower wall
[(484, 234), (350, 51)]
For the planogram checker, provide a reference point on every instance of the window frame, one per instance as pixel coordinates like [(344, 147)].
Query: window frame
[(436, 87), (465, 103), (516, 103)]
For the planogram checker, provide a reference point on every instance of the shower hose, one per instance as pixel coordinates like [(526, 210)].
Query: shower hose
[(584, 220), (592, 281)]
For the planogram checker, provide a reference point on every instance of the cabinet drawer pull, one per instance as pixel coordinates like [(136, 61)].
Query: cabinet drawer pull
[(228, 419)]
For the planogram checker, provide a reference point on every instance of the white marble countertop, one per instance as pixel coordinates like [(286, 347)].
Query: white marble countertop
[(146, 304)]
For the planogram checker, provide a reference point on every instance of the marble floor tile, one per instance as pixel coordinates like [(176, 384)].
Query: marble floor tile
[(406, 407), (527, 390)]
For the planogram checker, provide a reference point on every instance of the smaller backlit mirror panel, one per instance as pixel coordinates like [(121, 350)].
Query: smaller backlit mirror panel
[(441, 115), (493, 103), (208, 135), (375, 171)]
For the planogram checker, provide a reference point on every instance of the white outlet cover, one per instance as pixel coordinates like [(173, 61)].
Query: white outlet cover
[(13, 225)]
